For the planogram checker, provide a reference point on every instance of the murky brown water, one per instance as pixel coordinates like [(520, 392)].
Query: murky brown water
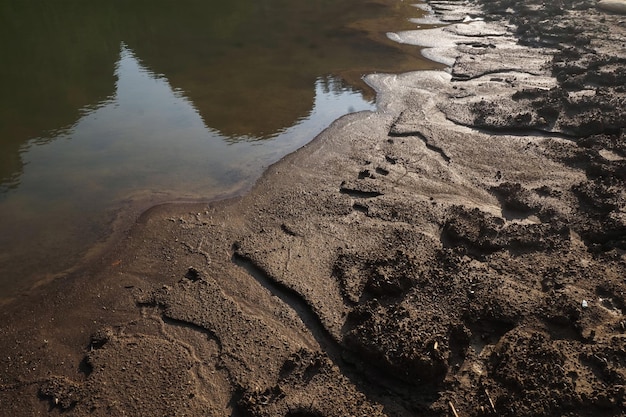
[(110, 104)]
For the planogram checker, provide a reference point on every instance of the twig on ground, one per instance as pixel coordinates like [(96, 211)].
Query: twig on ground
[(453, 409)]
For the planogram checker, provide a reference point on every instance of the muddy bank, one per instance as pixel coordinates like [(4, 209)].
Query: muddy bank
[(460, 251)]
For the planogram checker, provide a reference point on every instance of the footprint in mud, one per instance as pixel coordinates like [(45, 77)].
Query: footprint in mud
[(391, 159), (382, 171), (359, 190), (362, 208), (366, 186), (366, 174)]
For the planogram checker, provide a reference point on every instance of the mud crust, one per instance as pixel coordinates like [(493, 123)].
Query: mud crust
[(461, 251)]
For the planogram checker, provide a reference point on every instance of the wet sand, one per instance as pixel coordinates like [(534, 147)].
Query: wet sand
[(458, 252)]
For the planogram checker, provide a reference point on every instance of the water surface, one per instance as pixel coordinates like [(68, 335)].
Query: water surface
[(110, 104)]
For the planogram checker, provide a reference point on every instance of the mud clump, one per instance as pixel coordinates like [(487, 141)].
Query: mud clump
[(602, 200), (591, 78), (480, 233), (363, 278), (61, 393), (549, 365), (411, 345), (514, 197)]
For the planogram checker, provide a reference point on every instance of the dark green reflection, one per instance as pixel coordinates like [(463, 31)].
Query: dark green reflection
[(249, 66), (136, 100), (56, 60)]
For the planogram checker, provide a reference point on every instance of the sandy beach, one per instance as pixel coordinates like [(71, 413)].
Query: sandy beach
[(458, 252)]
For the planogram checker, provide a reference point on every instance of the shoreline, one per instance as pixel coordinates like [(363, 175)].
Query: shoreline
[(459, 250)]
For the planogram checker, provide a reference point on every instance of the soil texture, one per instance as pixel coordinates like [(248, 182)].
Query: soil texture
[(459, 252)]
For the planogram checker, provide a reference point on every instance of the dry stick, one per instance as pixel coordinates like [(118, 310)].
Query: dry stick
[(493, 407), (453, 409)]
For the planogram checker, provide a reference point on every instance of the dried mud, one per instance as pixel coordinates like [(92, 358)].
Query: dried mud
[(461, 251)]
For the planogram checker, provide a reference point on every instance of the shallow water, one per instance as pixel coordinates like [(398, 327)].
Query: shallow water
[(118, 104)]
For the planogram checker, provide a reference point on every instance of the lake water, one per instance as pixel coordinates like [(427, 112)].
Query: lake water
[(114, 105)]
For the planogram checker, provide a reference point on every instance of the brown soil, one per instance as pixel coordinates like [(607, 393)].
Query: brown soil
[(459, 252)]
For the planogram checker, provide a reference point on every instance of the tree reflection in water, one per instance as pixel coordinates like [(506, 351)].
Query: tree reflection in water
[(183, 114)]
